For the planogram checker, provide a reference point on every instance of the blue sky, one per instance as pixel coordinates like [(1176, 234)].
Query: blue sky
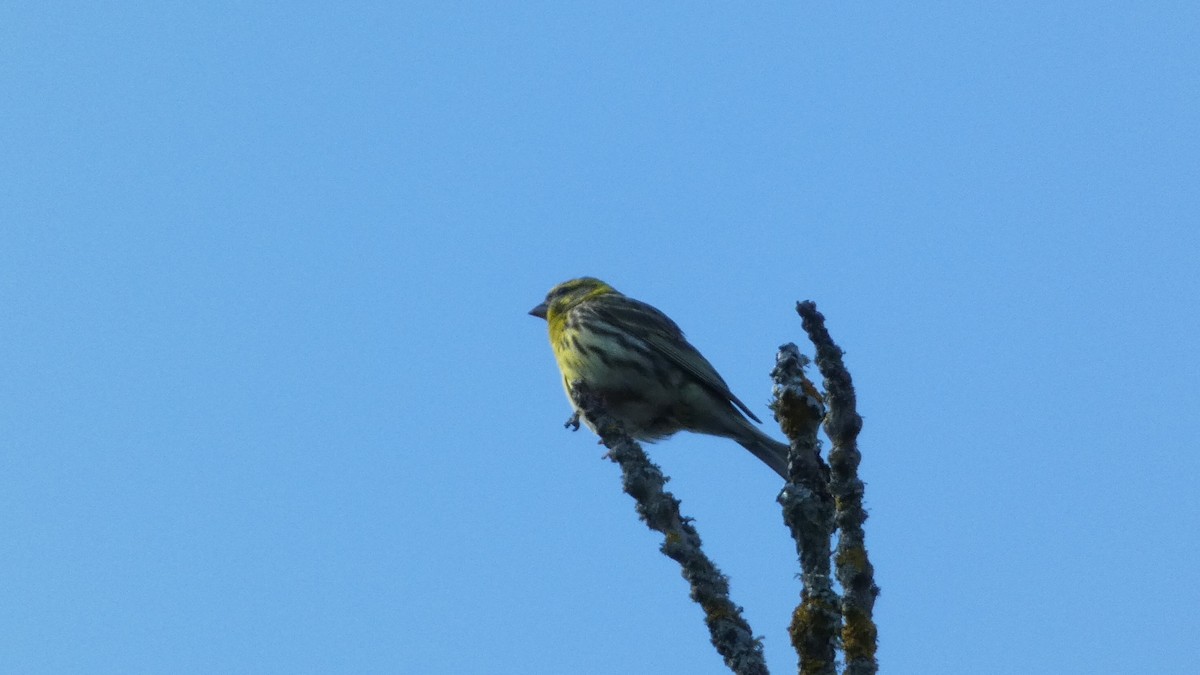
[(271, 402)]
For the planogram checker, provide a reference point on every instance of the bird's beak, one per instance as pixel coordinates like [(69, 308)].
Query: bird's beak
[(539, 311)]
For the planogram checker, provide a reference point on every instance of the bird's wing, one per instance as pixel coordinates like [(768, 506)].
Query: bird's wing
[(662, 334)]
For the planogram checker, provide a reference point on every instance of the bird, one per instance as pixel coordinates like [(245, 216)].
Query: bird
[(649, 377)]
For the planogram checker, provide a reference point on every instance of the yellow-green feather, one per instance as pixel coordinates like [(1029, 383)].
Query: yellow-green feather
[(561, 300)]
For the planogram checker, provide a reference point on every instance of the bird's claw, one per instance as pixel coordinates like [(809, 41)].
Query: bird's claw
[(572, 422)]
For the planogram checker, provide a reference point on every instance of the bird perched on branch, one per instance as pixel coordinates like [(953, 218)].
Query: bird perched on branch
[(648, 375)]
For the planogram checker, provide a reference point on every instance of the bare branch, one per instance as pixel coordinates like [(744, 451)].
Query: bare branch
[(808, 511), (644, 481), (854, 570)]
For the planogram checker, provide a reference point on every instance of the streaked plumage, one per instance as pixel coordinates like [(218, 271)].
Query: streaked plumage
[(649, 376)]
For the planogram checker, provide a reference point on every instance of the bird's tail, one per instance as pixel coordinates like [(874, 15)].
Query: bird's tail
[(772, 453)]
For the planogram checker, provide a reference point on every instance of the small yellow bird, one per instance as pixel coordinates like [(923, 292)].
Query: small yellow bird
[(650, 378)]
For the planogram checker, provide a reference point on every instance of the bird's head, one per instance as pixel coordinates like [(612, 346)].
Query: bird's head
[(566, 295)]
